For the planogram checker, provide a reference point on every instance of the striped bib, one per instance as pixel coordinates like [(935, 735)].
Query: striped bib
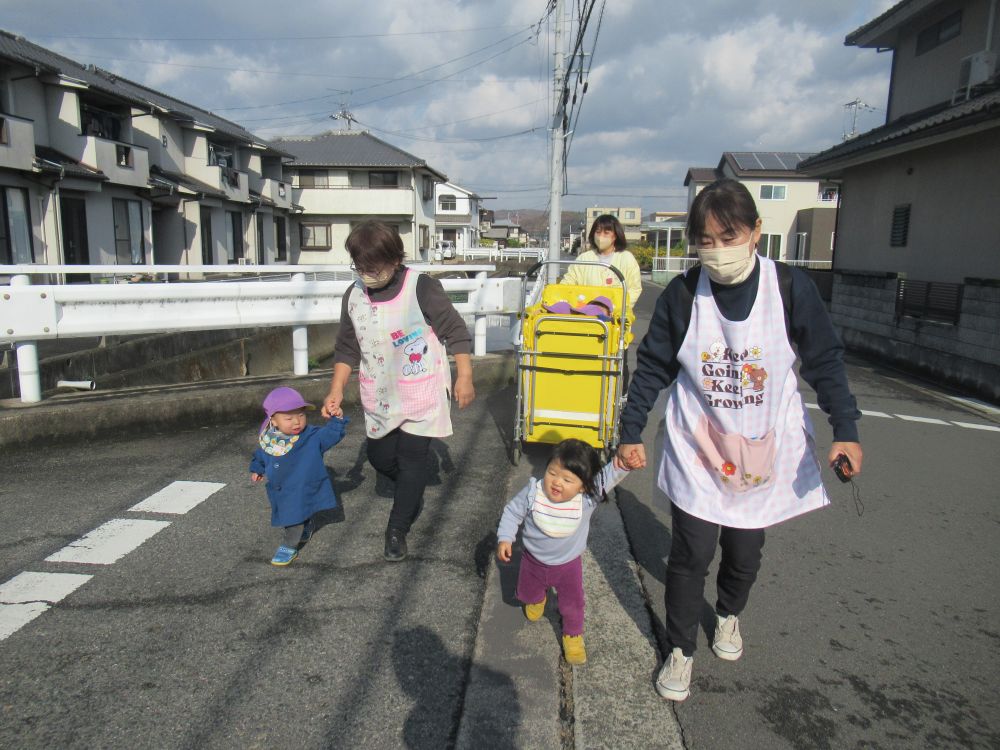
[(556, 519)]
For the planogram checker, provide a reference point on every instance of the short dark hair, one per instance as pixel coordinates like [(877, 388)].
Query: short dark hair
[(373, 245), (607, 221), (582, 460), (728, 201)]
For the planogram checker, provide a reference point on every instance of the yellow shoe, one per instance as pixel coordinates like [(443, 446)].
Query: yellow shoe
[(574, 650), (534, 611)]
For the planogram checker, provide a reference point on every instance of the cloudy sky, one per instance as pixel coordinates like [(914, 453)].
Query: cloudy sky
[(466, 84)]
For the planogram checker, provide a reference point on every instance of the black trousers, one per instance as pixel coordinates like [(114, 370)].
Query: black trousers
[(403, 458), (692, 548)]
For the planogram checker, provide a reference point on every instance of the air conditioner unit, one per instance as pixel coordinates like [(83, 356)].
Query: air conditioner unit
[(976, 69)]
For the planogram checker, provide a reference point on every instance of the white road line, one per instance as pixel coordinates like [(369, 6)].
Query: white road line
[(881, 414), (972, 426), (178, 497), (40, 587), (924, 420), (13, 617), (109, 542)]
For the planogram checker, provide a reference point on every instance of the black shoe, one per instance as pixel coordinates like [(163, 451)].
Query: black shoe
[(395, 545)]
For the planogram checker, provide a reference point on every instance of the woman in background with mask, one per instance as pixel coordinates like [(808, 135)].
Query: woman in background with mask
[(394, 325), (607, 242), (738, 448)]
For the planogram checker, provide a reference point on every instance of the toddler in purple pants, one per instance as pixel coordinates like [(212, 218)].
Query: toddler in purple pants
[(555, 512)]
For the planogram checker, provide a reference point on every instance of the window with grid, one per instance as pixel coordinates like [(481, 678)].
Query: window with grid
[(900, 231), (315, 236), (770, 245), (129, 241), (383, 179), (313, 178), (448, 202), (938, 33), (772, 192)]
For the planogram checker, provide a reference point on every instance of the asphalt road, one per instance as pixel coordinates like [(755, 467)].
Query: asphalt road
[(877, 631), (194, 640)]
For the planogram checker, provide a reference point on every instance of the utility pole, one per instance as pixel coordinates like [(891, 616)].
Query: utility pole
[(556, 143)]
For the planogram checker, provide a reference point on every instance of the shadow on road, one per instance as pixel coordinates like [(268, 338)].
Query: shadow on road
[(418, 656)]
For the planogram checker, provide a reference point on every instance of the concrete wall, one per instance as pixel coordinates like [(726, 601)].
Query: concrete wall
[(966, 355), (165, 359), (954, 221), (921, 81)]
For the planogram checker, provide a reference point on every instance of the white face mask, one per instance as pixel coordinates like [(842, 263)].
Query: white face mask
[(603, 242), (727, 265)]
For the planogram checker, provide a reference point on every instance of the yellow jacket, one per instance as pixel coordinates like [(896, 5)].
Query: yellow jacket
[(594, 276)]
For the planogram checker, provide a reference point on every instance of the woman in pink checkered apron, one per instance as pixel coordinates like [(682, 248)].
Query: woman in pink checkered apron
[(394, 326), (738, 447)]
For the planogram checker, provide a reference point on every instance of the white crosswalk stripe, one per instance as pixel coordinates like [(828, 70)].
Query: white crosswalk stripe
[(27, 595), (109, 542), (178, 497)]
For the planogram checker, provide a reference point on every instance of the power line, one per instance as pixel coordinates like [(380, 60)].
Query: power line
[(303, 37), (452, 140)]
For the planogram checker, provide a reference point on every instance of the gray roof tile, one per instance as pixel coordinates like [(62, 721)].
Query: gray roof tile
[(349, 148)]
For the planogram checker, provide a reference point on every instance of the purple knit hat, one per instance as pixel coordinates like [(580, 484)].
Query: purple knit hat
[(282, 399)]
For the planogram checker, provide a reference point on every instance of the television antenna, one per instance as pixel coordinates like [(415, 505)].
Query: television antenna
[(856, 106)]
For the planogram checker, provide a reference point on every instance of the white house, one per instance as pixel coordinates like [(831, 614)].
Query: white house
[(457, 215), (342, 177), (798, 213)]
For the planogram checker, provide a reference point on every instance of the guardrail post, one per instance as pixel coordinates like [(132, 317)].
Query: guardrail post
[(28, 376), (300, 341), (479, 338)]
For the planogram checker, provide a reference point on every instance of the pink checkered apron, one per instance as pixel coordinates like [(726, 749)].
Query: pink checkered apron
[(738, 446), (404, 375)]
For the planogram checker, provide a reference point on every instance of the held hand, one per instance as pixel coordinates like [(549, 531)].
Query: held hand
[(630, 456), (503, 551), (331, 404), (464, 391), (255, 477), (853, 452)]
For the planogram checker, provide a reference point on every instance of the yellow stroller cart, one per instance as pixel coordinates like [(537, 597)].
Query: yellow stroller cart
[(570, 355)]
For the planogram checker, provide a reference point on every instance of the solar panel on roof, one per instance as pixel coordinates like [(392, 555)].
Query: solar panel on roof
[(743, 161), (770, 161)]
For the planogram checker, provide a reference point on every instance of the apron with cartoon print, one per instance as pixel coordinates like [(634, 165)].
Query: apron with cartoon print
[(738, 445), (404, 377)]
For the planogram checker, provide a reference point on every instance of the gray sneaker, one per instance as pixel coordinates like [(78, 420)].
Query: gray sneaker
[(727, 644), (675, 677)]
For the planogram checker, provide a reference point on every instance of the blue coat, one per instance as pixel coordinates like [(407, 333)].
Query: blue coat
[(298, 484)]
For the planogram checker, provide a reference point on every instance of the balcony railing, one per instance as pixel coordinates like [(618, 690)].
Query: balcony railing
[(123, 163), (353, 200)]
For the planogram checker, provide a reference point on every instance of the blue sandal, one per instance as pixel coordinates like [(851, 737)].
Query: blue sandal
[(284, 555)]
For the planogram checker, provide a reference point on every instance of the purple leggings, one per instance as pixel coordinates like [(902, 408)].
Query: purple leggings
[(535, 578)]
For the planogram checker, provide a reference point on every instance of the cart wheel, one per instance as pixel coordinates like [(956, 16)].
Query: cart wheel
[(515, 454)]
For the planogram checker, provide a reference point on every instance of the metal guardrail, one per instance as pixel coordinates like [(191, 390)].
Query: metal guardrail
[(680, 264), (32, 312)]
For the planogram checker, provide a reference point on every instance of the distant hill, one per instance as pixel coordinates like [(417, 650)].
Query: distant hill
[(534, 221)]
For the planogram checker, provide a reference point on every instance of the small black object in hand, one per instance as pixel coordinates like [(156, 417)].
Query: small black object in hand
[(842, 468)]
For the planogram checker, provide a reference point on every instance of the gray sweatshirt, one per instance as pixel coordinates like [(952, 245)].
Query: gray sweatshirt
[(546, 549)]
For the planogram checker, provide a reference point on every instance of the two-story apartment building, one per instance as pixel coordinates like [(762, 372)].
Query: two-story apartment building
[(96, 169), (457, 215), (340, 178), (917, 273), (629, 216), (798, 213)]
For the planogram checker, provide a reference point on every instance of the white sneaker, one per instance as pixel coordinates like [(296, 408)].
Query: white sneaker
[(675, 677), (728, 643)]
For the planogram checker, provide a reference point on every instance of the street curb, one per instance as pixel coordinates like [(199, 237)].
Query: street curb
[(81, 416)]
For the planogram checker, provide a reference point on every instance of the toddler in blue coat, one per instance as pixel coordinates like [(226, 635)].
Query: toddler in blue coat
[(290, 456)]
